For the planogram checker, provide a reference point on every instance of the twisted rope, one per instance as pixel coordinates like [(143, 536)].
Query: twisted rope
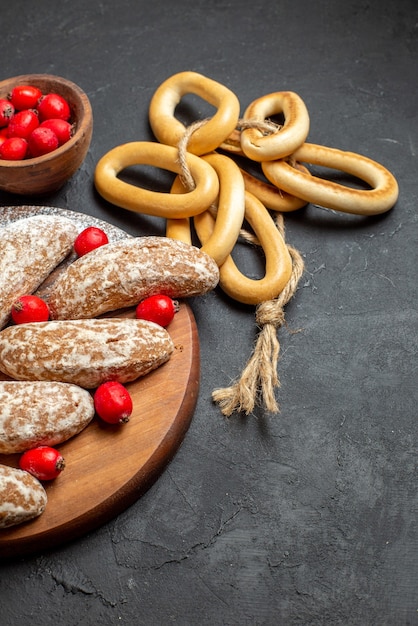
[(259, 378)]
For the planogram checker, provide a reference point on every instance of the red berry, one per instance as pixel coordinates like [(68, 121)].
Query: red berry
[(14, 149), (43, 462), (29, 309), (158, 308), (6, 112), (42, 141), (24, 97), (89, 239), (61, 128), (52, 105), (23, 123), (113, 402)]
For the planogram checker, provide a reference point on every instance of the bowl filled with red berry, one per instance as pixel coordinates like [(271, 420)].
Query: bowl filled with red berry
[(46, 125)]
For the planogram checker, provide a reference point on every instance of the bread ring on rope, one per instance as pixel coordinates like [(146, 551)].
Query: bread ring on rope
[(231, 208), (141, 200), (271, 196), (232, 143), (169, 130), (179, 229), (380, 198), (291, 135), (278, 260), (229, 212)]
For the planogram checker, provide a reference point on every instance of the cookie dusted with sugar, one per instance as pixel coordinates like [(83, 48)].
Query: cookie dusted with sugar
[(30, 249), (41, 413), (84, 352), (22, 497), (120, 274)]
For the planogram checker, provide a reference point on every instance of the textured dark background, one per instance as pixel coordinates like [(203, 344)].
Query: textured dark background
[(309, 517)]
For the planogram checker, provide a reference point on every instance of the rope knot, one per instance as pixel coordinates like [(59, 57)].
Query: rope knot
[(259, 378), (270, 312)]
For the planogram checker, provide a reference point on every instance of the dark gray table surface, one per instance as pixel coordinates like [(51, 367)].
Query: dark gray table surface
[(310, 516)]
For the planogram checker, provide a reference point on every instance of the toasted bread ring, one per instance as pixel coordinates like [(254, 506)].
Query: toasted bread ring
[(278, 260), (141, 200), (225, 228), (271, 196), (380, 198), (288, 138), (231, 208), (169, 130)]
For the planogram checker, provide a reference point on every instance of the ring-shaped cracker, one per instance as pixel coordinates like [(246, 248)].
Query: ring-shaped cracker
[(380, 198), (169, 130), (271, 196), (178, 228), (278, 261), (161, 204), (230, 211), (287, 139)]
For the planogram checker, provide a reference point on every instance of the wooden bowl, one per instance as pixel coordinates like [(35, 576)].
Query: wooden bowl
[(47, 173)]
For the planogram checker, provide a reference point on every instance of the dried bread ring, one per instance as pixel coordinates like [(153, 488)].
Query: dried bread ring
[(169, 130), (278, 261), (179, 229), (141, 200), (380, 198), (232, 144), (231, 208), (229, 213), (287, 139), (271, 196)]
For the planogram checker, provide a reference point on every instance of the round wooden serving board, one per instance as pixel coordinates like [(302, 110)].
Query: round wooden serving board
[(109, 467)]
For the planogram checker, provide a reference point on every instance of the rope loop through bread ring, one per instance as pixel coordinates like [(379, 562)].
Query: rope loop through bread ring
[(380, 198), (230, 210), (293, 133), (228, 215), (169, 130), (278, 261), (149, 202), (270, 195)]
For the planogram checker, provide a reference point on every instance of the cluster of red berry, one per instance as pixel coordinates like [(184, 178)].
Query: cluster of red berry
[(112, 401), (32, 123)]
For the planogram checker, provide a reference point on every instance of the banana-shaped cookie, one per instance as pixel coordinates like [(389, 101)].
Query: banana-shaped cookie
[(30, 249), (35, 413), (22, 496), (120, 274), (84, 352)]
